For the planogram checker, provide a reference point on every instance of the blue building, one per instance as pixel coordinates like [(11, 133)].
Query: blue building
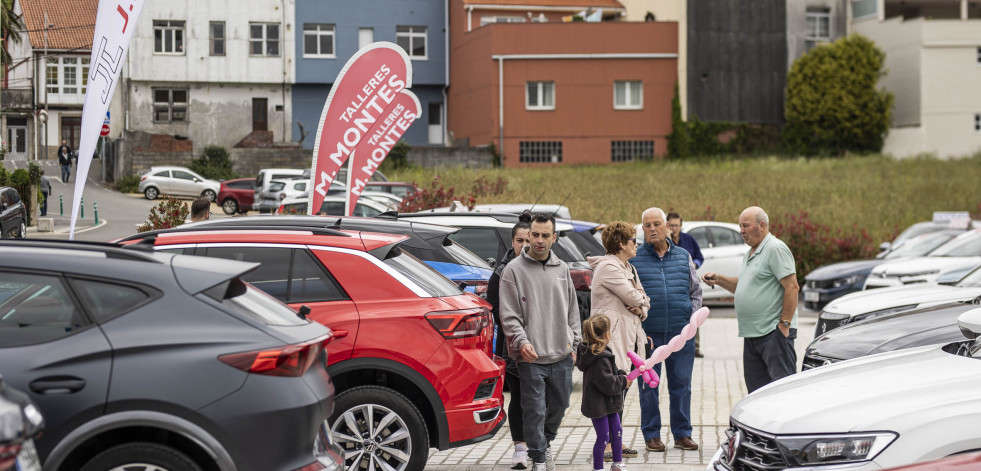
[(329, 32)]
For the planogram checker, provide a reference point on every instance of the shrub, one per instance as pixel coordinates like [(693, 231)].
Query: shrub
[(436, 196), (129, 184), (700, 138), (214, 164), (169, 213), (832, 104), (397, 159), (814, 245)]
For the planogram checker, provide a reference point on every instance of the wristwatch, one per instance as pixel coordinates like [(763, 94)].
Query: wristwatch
[(785, 323)]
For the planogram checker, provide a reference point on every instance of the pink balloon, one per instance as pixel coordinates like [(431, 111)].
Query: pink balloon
[(688, 332), (676, 343), (698, 318), (660, 353)]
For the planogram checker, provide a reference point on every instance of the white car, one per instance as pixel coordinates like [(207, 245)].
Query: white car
[(176, 181), (557, 211), (388, 199), (864, 414), (722, 247), (279, 190), (960, 252), (333, 206), (863, 305)]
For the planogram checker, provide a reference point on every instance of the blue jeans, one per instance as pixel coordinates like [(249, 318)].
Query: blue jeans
[(679, 366), (44, 205), (545, 391), (66, 171)]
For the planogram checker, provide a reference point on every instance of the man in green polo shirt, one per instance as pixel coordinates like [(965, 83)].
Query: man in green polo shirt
[(766, 302)]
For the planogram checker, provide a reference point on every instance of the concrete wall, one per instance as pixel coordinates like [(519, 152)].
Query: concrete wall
[(248, 162), (901, 41), (469, 157), (951, 77)]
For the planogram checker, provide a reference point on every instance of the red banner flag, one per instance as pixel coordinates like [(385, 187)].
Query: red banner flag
[(361, 94), (378, 141)]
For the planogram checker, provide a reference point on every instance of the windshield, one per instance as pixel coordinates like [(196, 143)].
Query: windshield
[(915, 230), (428, 279), (922, 244), (972, 280), (463, 256), (276, 186), (967, 245)]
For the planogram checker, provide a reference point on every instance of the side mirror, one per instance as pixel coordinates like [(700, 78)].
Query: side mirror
[(884, 246), (197, 180), (491, 261), (970, 323), (463, 286), (303, 312)]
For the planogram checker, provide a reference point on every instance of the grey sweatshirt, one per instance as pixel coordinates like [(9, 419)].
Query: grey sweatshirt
[(539, 306)]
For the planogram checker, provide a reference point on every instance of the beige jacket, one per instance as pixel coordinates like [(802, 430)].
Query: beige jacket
[(616, 287)]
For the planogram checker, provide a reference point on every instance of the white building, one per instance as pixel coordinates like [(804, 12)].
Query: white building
[(933, 55), (214, 71)]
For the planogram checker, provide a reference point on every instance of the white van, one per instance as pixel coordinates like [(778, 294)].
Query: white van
[(264, 200)]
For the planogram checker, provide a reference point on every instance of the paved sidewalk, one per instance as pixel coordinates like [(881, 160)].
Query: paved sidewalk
[(717, 385)]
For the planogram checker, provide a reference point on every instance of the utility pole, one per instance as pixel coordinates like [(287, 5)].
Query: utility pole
[(43, 82)]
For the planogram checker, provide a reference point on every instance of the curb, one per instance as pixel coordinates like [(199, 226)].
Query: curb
[(33, 229)]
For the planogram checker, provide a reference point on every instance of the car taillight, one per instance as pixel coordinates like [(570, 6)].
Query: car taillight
[(8, 455), (288, 360), (144, 177), (459, 324), (581, 279)]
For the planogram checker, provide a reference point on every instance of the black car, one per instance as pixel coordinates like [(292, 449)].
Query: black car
[(164, 361), (13, 215), (928, 326), (427, 242), (20, 423)]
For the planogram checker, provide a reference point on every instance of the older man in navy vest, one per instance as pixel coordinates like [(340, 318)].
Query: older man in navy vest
[(668, 276)]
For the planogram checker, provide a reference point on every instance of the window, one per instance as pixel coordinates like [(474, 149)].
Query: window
[(216, 31), (182, 175), (977, 122), (169, 105), (310, 283), (700, 234), (412, 39), (264, 39), (107, 301), (864, 8), (540, 96), (318, 40), (35, 309), (540, 151), (486, 20), (979, 55), (628, 95), (168, 37), (272, 275), (67, 75), (818, 27), (629, 151), (724, 237), (163, 174), (483, 242), (366, 36)]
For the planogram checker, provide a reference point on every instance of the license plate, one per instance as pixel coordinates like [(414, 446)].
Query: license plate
[(812, 296), (27, 460)]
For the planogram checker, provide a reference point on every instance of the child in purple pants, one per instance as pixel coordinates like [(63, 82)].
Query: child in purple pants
[(602, 389)]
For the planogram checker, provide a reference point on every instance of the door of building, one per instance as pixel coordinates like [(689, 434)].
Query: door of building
[(435, 123), (17, 138), (260, 114), (71, 131)]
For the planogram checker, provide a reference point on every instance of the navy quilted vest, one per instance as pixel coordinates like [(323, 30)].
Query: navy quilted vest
[(666, 281)]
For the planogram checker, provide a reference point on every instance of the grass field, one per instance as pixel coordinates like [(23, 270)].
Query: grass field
[(875, 193)]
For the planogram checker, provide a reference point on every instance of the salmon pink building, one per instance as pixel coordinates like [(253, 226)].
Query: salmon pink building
[(545, 90)]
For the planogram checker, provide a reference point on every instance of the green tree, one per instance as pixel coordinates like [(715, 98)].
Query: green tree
[(833, 105), (11, 26)]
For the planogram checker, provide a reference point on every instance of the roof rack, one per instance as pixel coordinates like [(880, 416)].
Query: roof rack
[(248, 227), (111, 250), (503, 217)]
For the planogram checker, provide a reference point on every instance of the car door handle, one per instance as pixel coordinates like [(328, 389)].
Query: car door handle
[(339, 334), (57, 385)]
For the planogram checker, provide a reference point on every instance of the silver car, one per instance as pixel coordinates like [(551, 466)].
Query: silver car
[(176, 181)]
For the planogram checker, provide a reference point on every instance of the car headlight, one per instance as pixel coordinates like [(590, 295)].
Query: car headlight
[(846, 281), (833, 449)]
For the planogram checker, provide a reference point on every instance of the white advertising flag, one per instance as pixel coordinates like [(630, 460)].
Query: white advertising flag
[(114, 27)]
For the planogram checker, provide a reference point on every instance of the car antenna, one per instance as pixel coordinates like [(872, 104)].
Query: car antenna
[(536, 202), (560, 204)]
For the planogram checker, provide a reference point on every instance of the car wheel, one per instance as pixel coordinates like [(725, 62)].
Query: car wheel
[(141, 456), (378, 428), (229, 206), (23, 230), (210, 194), (151, 193)]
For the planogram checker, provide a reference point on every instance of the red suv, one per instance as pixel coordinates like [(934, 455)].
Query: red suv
[(236, 196), (411, 358)]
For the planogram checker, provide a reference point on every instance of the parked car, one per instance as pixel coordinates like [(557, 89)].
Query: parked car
[(333, 206), (427, 242), (555, 210), (177, 181), (236, 196), (968, 462), (879, 411), (266, 201), (913, 328), (962, 251), (917, 229), (830, 282), (723, 249), (387, 199), (583, 235), (412, 362), (20, 424), (13, 215), (160, 361), (286, 188), (400, 189), (863, 305), (489, 236)]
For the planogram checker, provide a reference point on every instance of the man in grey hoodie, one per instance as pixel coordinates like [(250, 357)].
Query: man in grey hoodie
[(540, 316)]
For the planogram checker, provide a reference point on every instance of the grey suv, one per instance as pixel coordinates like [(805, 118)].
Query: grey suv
[(160, 361)]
